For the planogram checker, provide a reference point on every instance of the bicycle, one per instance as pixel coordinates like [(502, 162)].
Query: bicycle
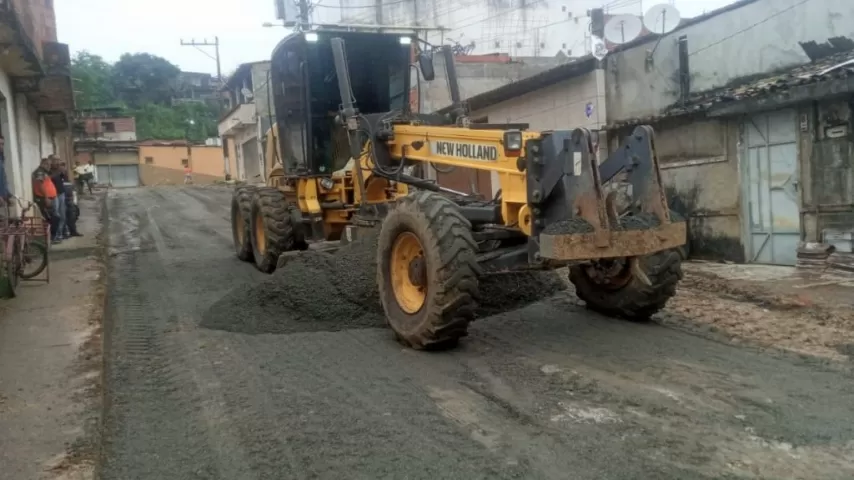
[(24, 257)]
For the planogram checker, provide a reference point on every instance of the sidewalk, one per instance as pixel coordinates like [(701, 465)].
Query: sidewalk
[(50, 362)]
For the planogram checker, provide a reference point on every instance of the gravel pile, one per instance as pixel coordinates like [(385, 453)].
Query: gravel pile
[(318, 291)]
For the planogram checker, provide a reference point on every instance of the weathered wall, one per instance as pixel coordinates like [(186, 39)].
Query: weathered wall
[(827, 169), (560, 106), (27, 122), (699, 168), (754, 39), (204, 160), (154, 175), (478, 77)]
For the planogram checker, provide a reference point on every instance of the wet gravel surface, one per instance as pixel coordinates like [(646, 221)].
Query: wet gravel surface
[(213, 373)]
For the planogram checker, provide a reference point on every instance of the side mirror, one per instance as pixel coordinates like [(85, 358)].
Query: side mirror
[(425, 63)]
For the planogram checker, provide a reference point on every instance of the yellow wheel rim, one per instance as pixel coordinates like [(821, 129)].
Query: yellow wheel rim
[(408, 273), (238, 227), (260, 236)]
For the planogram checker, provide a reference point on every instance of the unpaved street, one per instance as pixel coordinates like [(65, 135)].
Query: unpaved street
[(550, 391)]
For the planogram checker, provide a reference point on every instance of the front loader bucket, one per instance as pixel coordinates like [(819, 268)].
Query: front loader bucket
[(573, 217)]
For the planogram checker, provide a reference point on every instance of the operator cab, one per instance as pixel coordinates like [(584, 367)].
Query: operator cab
[(307, 98)]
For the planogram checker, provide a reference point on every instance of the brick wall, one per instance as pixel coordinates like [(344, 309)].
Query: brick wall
[(94, 126)]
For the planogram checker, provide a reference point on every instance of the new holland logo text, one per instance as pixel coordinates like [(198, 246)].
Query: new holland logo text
[(472, 151)]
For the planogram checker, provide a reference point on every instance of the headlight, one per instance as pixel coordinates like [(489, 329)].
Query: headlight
[(512, 140), (327, 183), (405, 40), (310, 37)]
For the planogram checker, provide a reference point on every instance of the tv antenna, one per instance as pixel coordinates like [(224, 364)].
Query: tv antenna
[(622, 29), (661, 19)]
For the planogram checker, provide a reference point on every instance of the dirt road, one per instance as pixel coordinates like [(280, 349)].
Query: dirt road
[(550, 391)]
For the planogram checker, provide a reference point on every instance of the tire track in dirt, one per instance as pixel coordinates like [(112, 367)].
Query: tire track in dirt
[(154, 427)]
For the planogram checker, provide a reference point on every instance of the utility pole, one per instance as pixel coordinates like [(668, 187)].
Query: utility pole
[(205, 43), (305, 22)]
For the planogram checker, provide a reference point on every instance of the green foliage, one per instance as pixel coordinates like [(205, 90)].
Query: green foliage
[(143, 85), (93, 79)]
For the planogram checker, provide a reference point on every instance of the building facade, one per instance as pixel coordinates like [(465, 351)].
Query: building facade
[(244, 126), (751, 105), (163, 162), (36, 95), (108, 137)]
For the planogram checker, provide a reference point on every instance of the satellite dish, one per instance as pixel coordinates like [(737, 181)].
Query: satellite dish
[(661, 19), (622, 29)]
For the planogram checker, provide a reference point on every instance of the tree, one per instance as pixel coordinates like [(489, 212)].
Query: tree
[(92, 81), (141, 78)]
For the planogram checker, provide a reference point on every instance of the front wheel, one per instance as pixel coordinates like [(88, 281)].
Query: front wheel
[(616, 288), (34, 259), (427, 272)]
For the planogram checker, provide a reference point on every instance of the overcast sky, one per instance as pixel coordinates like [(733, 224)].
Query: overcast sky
[(112, 27)]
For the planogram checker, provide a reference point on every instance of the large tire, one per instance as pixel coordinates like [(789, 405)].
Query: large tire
[(241, 215), (634, 300), (272, 228), (446, 284)]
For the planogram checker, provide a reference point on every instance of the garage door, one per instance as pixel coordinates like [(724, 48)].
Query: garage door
[(119, 175)]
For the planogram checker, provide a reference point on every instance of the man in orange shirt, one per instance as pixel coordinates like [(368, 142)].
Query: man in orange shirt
[(44, 195), (188, 174)]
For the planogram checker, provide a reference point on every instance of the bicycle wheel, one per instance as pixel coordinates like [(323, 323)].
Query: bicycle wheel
[(34, 259)]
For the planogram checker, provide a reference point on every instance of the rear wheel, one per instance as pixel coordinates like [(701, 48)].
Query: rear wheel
[(272, 228), (241, 213), (612, 287), (427, 272)]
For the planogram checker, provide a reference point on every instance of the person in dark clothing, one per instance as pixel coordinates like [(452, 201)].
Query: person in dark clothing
[(59, 177), (72, 212)]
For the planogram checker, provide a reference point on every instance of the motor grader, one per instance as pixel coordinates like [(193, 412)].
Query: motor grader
[(343, 156)]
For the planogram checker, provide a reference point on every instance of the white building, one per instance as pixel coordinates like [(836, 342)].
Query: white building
[(36, 95), (519, 28)]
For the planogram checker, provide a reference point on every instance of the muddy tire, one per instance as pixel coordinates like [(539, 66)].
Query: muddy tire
[(635, 300), (272, 230), (241, 214), (427, 272)]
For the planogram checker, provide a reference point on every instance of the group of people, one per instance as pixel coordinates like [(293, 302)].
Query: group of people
[(54, 194)]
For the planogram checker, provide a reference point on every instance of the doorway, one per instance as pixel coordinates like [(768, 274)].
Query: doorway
[(770, 143)]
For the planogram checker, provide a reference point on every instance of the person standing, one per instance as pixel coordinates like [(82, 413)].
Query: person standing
[(58, 176), (72, 212), (84, 173), (44, 194), (188, 175)]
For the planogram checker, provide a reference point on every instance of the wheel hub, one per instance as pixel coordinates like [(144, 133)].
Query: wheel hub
[(418, 271), (408, 271), (611, 273)]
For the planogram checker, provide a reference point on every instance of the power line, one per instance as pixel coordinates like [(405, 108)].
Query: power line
[(356, 7), (205, 43), (776, 14)]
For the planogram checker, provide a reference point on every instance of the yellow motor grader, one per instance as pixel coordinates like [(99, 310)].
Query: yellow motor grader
[(343, 153)]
